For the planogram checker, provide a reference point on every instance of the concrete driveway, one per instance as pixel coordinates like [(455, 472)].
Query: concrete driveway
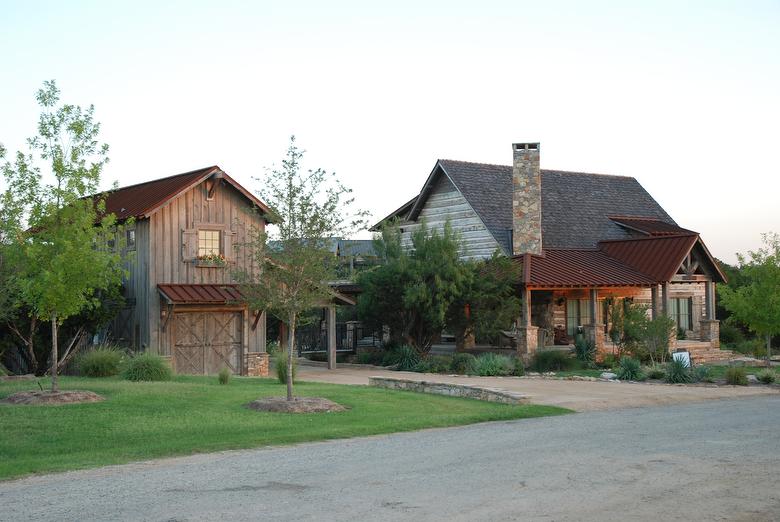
[(576, 395), (717, 460)]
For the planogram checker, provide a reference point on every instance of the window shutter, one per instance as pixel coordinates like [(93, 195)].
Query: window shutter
[(227, 245), (189, 244)]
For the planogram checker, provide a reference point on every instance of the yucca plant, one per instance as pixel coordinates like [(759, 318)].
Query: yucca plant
[(629, 369), (677, 372)]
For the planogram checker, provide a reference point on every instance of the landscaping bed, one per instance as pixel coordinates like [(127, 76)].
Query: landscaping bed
[(146, 420)]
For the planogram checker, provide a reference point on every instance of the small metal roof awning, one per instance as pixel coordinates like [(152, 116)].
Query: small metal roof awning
[(195, 294), (181, 294)]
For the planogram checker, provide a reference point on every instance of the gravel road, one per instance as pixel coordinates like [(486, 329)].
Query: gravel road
[(717, 460)]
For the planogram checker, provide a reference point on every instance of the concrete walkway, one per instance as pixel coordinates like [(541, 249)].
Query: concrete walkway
[(576, 395)]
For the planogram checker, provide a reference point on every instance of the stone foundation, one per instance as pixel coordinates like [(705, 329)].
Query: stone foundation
[(710, 331), (256, 364)]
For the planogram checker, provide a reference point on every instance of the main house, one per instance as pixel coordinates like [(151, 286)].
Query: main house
[(581, 242), (181, 300)]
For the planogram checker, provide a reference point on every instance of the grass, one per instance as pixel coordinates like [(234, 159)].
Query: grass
[(146, 420), (718, 372)]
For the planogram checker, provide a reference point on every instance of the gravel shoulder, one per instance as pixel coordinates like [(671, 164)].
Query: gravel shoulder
[(715, 460)]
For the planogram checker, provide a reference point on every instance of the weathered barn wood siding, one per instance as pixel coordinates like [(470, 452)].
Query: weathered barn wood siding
[(161, 257), (444, 203)]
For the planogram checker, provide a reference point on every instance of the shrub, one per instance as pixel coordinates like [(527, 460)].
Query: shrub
[(463, 363), (730, 334), (736, 376), (655, 372), (681, 333), (702, 374), (224, 376), (584, 350), (280, 363), (629, 369), (766, 376), (677, 372), (751, 347), (491, 364), (405, 358), (104, 361), (3, 371), (272, 347), (370, 357), (519, 369), (439, 363), (552, 361), (147, 367), (609, 361)]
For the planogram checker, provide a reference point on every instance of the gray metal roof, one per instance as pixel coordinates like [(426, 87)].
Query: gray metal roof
[(575, 205)]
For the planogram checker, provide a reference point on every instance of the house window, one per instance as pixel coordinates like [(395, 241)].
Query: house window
[(130, 237), (208, 242), (577, 314), (680, 311)]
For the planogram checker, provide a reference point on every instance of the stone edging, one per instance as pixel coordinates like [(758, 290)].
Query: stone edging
[(452, 390)]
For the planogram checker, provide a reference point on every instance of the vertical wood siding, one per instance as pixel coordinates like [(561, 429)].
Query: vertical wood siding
[(159, 257), (445, 203)]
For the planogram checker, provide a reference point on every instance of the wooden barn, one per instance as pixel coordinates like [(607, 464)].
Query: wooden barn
[(181, 300)]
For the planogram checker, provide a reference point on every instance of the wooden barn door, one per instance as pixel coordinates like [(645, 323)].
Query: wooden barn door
[(206, 342)]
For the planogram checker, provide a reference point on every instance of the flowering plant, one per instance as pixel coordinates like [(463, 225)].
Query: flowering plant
[(212, 259)]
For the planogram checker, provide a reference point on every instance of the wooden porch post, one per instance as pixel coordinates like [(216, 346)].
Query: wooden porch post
[(526, 307), (665, 298), (709, 299), (594, 308), (654, 301), (331, 336)]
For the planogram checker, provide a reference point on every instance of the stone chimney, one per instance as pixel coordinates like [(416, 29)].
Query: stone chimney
[(526, 199)]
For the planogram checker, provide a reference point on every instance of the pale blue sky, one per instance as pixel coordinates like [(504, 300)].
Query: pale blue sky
[(681, 95)]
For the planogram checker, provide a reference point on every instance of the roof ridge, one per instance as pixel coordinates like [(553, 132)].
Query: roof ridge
[(203, 169), (575, 172), (650, 238)]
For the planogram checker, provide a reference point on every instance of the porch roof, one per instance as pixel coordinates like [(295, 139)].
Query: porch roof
[(576, 268)]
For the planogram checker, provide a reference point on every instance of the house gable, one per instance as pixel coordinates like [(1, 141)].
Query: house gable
[(440, 201)]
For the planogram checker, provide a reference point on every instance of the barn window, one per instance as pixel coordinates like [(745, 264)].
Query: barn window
[(208, 242)]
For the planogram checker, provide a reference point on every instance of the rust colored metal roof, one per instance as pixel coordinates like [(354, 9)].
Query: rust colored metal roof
[(574, 268), (143, 199), (650, 226), (199, 294), (658, 257)]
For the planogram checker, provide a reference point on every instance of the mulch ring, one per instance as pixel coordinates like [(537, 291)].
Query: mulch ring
[(50, 398), (297, 405)]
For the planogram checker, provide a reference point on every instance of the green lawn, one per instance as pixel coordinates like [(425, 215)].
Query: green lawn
[(139, 421)]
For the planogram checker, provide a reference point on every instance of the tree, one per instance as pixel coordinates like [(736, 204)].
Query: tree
[(414, 290), (488, 301), (757, 303), (55, 233), (290, 268)]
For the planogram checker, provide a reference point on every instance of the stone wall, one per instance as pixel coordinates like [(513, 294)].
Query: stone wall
[(453, 390), (256, 364), (526, 199)]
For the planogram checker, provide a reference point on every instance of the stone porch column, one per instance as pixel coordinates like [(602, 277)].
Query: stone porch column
[(527, 334), (331, 320)]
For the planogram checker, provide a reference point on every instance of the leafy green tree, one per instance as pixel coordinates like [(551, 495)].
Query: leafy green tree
[(413, 291), (488, 301), (55, 231), (757, 303), (291, 266)]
